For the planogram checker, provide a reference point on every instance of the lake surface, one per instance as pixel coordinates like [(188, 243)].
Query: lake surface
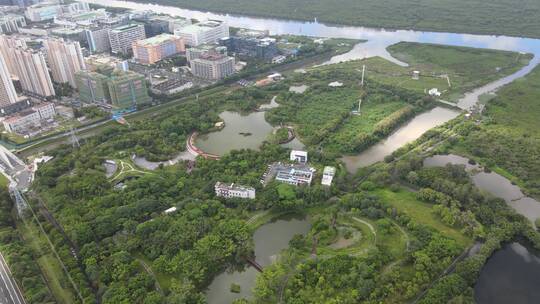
[(511, 275), (230, 137), (270, 239), (492, 183)]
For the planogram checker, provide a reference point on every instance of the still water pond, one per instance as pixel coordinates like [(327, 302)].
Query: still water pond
[(511, 275), (270, 239), (240, 132)]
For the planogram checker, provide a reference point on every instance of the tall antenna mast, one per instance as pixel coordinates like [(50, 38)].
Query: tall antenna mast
[(363, 72)]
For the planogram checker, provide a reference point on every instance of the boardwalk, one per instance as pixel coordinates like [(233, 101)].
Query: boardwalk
[(255, 265)]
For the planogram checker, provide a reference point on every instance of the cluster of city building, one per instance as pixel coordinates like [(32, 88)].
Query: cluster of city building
[(110, 59)]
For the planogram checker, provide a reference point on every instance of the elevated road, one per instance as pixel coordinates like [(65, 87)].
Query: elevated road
[(20, 177), (9, 291)]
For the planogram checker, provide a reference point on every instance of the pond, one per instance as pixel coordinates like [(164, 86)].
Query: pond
[(511, 275), (270, 239), (240, 132), (492, 183)]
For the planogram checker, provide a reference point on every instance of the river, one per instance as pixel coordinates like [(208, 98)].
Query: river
[(270, 239), (492, 183)]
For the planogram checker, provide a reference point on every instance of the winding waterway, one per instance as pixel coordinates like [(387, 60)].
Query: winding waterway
[(492, 183), (377, 42)]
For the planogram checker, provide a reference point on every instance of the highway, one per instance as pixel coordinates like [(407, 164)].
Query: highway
[(9, 291)]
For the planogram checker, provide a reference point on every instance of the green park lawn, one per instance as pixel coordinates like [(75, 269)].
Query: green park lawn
[(406, 202)]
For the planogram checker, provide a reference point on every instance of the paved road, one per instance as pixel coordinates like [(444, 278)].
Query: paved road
[(9, 291)]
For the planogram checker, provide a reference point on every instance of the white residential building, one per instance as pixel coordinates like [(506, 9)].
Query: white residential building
[(31, 118), (122, 37), (98, 39), (234, 191), (11, 23), (299, 156), (213, 66), (328, 175), (293, 174), (204, 32), (42, 12)]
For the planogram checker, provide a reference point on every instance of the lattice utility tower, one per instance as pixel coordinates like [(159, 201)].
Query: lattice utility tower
[(74, 139)]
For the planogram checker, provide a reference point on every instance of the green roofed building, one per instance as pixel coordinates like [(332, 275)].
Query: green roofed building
[(92, 87), (128, 89), (123, 90)]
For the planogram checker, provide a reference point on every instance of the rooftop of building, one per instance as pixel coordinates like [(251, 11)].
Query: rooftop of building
[(88, 15), (156, 40), (233, 186), (119, 76), (43, 5), (91, 74), (171, 83), (201, 26), (125, 27), (328, 170), (10, 17), (245, 33), (66, 30), (170, 18), (212, 57)]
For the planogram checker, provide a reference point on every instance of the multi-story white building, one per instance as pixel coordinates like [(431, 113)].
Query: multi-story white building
[(22, 121), (31, 118), (98, 39), (42, 12), (234, 191), (65, 59), (299, 156), (75, 7), (122, 37), (175, 23), (292, 174), (45, 110), (11, 23), (204, 32), (328, 175), (212, 66)]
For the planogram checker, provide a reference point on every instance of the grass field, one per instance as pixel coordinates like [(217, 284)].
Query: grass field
[(405, 201), (452, 70), (467, 68), (503, 17), (4, 182)]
